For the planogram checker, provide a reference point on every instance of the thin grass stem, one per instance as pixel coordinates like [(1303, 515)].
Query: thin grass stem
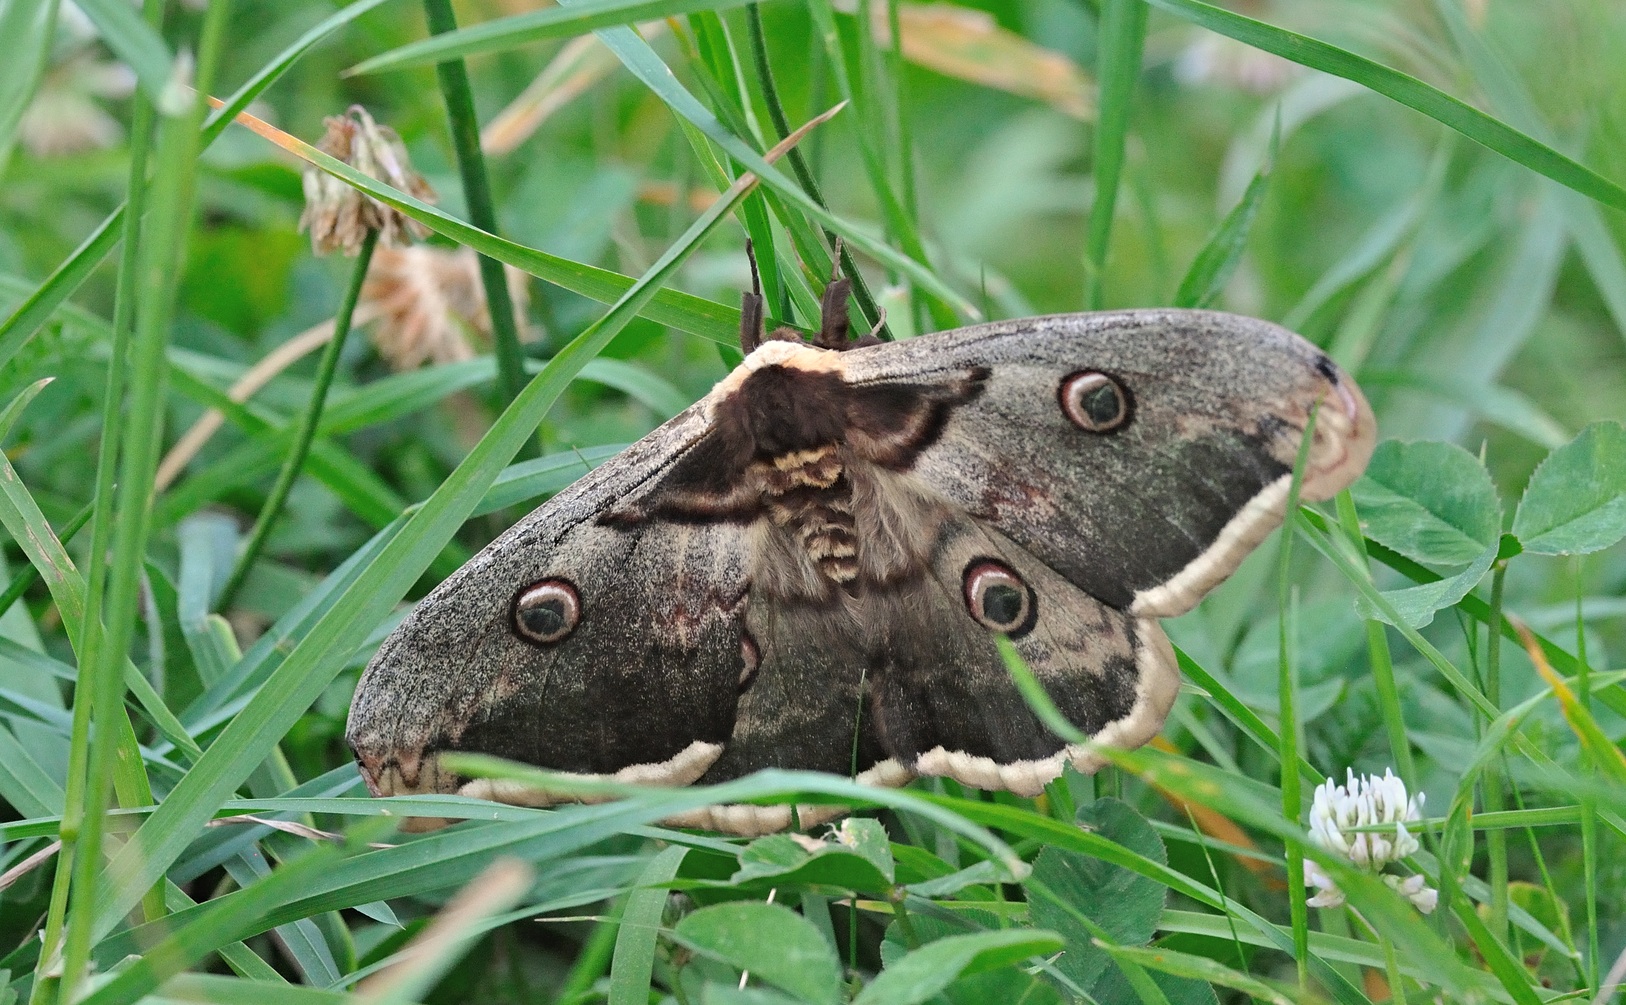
[(1121, 39), (1288, 734), (799, 166), (158, 259), (294, 463), (1495, 795), (101, 509), (906, 147), (1377, 646), (471, 164), (1589, 810), (1391, 965)]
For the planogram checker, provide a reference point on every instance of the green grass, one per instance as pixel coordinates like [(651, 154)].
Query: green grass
[(1477, 289)]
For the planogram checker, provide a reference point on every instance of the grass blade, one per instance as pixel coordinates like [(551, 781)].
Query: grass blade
[(634, 960), (1483, 129), (35, 311), (319, 656), (26, 27), (1122, 36), (133, 40), (1222, 252), (521, 29), (220, 922), (471, 166)]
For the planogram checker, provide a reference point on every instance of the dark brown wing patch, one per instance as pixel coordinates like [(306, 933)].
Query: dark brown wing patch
[(780, 430)]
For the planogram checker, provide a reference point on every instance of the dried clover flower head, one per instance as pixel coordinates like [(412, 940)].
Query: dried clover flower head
[(339, 216), (1366, 801), (429, 300)]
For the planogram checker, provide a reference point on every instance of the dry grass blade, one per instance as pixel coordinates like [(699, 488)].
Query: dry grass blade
[(293, 827), (582, 63), (29, 864), (971, 46), (497, 889), (246, 386)]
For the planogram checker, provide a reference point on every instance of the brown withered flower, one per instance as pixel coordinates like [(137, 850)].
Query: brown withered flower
[(339, 216), (429, 301)]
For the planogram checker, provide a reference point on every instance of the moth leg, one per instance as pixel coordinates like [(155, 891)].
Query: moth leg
[(751, 307), (874, 336), (833, 308)]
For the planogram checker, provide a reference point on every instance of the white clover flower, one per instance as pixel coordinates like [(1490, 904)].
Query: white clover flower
[(1424, 898), (1367, 801)]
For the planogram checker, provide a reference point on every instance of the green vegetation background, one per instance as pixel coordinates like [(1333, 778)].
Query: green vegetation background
[(1478, 294)]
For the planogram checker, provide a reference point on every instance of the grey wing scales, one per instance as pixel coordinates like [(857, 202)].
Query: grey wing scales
[(906, 681), (642, 685), (944, 703), (1152, 514)]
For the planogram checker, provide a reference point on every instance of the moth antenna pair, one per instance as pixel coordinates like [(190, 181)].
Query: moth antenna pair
[(833, 307), (833, 321)]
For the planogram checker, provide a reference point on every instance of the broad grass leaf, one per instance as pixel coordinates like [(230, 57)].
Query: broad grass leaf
[(193, 987), (1433, 502), (540, 476), (1576, 500), (25, 45), (133, 40), (1126, 905), (1500, 406), (1114, 989), (927, 971), (1416, 605), (1222, 253), (635, 942), (983, 873), (1008, 984), (774, 943), (1118, 61)]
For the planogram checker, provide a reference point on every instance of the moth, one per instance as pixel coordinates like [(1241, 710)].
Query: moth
[(809, 566)]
